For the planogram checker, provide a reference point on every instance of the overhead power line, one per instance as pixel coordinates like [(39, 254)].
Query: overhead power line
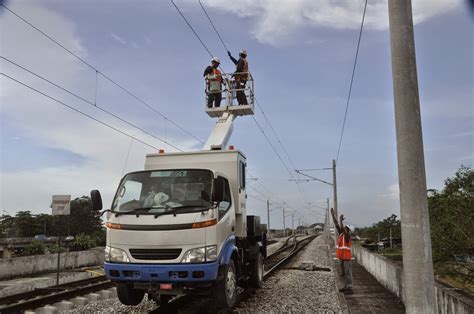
[(192, 29), (350, 85), (78, 111), (215, 29), (90, 103), (133, 95)]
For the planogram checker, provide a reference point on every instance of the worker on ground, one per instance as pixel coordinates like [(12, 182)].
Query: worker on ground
[(344, 251), (241, 75), (214, 81)]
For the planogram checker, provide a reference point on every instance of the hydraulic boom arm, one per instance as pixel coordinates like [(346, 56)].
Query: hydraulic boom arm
[(221, 133)]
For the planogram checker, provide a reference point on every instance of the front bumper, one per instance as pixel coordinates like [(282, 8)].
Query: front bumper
[(162, 272)]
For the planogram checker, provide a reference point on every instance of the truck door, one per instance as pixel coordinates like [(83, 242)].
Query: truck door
[(225, 213)]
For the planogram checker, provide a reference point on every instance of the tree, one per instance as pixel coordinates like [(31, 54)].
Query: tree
[(452, 216)]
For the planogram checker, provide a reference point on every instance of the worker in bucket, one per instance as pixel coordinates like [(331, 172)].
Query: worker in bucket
[(214, 82), (241, 75), (344, 251)]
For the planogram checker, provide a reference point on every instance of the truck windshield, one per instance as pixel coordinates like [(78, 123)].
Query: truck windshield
[(162, 191)]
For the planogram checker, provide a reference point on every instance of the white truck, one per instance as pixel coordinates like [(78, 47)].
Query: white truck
[(180, 226)]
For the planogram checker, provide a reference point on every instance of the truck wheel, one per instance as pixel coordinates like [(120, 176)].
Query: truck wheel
[(128, 295), (256, 272), (226, 289)]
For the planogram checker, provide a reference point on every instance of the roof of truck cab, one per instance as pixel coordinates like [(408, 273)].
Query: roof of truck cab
[(200, 152)]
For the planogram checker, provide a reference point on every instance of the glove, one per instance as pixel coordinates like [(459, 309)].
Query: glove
[(228, 52)]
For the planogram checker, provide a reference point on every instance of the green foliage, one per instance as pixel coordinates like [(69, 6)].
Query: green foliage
[(83, 223), (35, 248), (85, 241), (452, 216), (382, 228)]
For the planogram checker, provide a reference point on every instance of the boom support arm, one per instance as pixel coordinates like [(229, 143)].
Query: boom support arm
[(221, 133)]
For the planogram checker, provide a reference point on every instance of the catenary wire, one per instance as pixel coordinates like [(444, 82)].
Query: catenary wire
[(213, 26), (133, 95), (350, 85), (90, 103), (78, 111)]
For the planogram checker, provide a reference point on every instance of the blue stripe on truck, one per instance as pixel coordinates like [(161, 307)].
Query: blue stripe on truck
[(170, 272)]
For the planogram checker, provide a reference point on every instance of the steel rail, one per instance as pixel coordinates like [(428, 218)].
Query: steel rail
[(298, 246), (40, 297)]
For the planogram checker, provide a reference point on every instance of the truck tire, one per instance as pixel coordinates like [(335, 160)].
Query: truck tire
[(226, 289), (256, 272), (128, 295)]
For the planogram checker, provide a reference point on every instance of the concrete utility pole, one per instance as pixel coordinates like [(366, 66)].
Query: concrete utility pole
[(284, 228), (268, 216), (326, 222), (334, 186), (416, 239)]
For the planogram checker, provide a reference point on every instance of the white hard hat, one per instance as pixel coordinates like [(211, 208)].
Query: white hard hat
[(350, 227), (243, 52), (216, 59)]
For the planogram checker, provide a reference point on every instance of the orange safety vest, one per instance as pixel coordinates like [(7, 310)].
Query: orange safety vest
[(214, 81), (343, 250), (216, 75)]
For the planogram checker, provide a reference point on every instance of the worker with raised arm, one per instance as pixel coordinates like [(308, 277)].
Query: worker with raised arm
[(214, 81), (241, 75), (344, 250)]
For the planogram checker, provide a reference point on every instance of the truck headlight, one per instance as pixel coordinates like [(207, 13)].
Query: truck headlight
[(200, 255), (115, 255)]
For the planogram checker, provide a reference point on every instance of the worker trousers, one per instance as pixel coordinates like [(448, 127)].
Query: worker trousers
[(214, 98), (241, 98), (347, 273)]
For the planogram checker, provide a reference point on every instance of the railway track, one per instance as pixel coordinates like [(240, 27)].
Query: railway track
[(284, 254), (37, 298), (18, 303)]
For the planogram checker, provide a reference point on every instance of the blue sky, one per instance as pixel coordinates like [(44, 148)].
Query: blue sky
[(300, 54)]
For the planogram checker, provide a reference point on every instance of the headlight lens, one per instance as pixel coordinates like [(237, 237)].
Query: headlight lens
[(200, 255), (116, 255)]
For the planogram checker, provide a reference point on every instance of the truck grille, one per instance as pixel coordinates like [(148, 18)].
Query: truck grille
[(155, 254)]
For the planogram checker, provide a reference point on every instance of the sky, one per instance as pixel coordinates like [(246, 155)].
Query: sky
[(301, 55)]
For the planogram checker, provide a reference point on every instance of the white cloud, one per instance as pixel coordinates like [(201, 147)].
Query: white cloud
[(393, 192), (48, 124), (276, 22), (118, 38)]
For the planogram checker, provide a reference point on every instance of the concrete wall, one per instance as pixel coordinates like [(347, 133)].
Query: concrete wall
[(37, 264), (390, 275)]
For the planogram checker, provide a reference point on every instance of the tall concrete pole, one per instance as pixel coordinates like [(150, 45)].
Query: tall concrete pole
[(334, 186), (416, 238), (326, 223), (268, 217), (284, 228)]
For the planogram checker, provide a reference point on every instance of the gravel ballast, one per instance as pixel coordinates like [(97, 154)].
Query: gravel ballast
[(297, 287)]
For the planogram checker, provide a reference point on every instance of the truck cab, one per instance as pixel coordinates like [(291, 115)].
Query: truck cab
[(180, 226)]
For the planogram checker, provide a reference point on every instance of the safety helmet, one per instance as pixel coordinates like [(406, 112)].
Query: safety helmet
[(243, 52), (216, 59), (350, 227)]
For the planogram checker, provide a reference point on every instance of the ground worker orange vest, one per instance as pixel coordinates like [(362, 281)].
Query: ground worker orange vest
[(343, 250)]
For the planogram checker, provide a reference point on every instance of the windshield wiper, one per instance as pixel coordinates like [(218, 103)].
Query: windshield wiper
[(132, 211), (178, 208)]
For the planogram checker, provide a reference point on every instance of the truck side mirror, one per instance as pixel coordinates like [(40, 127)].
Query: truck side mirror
[(218, 190), (96, 200)]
